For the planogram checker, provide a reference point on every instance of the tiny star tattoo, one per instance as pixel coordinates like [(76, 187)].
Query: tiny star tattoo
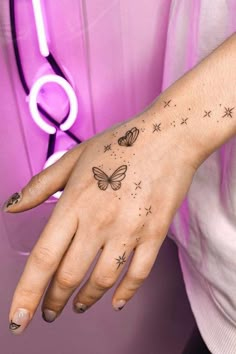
[(138, 185), (107, 147), (121, 260), (184, 121), (207, 114), (156, 127), (149, 210), (228, 112), (167, 103)]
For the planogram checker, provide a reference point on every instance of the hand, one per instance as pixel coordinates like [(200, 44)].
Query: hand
[(121, 191)]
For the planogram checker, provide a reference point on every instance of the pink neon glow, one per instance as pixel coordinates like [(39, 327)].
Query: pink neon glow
[(51, 160), (40, 27), (33, 103)]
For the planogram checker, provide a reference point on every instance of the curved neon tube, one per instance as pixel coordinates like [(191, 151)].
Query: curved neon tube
[(33, 103)]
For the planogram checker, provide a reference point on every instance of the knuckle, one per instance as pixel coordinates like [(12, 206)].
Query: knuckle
[(103, 281), (27, 293), (36, 183), (66, 280), (44, 258), (137, 278)]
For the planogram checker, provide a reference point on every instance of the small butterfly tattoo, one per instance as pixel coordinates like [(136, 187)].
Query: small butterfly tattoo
[(114, 180), (129, 138)]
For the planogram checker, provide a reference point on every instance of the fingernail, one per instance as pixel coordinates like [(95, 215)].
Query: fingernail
[(19, 321), (49, 315), (79, 308), (119, 305), (14, 199)]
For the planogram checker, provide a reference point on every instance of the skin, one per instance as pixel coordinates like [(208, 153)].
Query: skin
[(176, 134)]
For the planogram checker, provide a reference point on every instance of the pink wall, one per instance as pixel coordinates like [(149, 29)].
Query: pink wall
[(113, 53)]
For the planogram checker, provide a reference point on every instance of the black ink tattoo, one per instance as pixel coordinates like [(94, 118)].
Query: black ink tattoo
[(184, 121), (138, 185), (107, 147), (173, 123), (149, 210), (156, 127), (129, 138), (114, 180), (14, 199), (167, 103), (121, 260), (228, 112), (207, 114)]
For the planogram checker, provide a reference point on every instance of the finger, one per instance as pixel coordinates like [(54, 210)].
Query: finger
[(103, 277), (44, 184), (43, 261), (141, 264), (75, 264)]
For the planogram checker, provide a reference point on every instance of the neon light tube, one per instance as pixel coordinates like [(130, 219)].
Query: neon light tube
[(34, 109), (40, 27)]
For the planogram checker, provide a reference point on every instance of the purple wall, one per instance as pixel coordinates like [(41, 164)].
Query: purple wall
[(113, 54)]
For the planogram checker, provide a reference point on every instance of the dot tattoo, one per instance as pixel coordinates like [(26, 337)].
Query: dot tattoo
[(107, 147), (228, 112), (156, 127), (121, 260)]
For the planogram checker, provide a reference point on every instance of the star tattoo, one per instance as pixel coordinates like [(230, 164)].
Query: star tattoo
[(207, 114), (138, 185), (107, 147), (167, 103), (149, 210), (156, 127), (184, 121), (121, 260), (228, 112)]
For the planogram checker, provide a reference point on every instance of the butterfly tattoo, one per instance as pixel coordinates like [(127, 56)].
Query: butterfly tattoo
[(114, 180), (129, 138)]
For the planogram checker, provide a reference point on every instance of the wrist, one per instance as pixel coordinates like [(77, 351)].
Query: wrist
[(205, 96)]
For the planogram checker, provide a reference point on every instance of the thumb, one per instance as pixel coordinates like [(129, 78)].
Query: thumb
[(44, 184)]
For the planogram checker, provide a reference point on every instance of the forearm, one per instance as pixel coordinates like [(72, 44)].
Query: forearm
[(202, 103)]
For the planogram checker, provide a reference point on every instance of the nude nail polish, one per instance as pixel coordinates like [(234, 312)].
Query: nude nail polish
[(49, 315), (19, 321), (79, 308), (14, 199), (119, 305)]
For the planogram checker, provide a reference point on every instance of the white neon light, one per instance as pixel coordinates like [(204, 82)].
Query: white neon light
[(51, 160), (40, 27), (33, 103)]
